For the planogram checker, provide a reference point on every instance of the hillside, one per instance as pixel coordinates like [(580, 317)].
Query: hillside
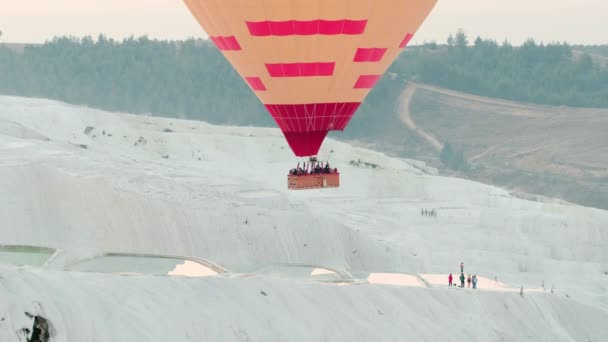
[(190, 79), (597, 50), (181, 78), (89, 182), (553, 151)]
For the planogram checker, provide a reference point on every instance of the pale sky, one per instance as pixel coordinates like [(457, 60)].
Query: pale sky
[(575, 21)]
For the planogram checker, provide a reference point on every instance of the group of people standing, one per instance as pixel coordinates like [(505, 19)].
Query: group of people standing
[(428, 212), (313, 168), (470, 280)]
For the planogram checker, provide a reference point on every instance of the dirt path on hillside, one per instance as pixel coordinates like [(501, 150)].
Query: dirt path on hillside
[(467, 96), (404, 114), (482, 154), (521, 110)]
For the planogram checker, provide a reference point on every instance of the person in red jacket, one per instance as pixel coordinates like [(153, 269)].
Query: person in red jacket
[(450, 279)]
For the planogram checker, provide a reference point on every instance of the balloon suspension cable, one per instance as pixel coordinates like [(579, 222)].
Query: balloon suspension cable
[(314, 163)]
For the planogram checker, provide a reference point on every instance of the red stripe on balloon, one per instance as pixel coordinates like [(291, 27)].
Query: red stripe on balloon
[(300, 69), (369, 55), (312, 116), (367, 81), (406, 40), (306, 125), (306, 28), (256, 83), (226, 43)]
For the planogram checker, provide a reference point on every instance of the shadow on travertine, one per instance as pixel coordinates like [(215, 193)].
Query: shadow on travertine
[(175, 266), (397, 279), (136, 264), (298, 272), (26, 255)]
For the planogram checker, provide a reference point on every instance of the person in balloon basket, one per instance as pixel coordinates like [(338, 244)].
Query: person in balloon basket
[(450, 279), (462, 280)]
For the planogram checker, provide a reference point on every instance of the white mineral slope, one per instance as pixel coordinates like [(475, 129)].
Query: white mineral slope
[(176, 187), (90, 307)]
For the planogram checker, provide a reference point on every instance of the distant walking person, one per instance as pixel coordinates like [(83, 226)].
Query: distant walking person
[(461, 279), (462, 267), (475, 281), (469, 281), (450, 279)]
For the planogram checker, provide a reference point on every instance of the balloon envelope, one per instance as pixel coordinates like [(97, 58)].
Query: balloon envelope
[(311, 62)]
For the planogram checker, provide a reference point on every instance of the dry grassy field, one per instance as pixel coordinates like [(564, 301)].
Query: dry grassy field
[(554, 151)]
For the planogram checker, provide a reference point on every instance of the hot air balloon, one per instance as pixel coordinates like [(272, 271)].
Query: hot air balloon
[(310, 62)]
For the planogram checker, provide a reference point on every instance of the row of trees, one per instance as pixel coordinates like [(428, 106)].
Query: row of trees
[(188, 79), (191, 79), (184, 79), (550, 74)]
